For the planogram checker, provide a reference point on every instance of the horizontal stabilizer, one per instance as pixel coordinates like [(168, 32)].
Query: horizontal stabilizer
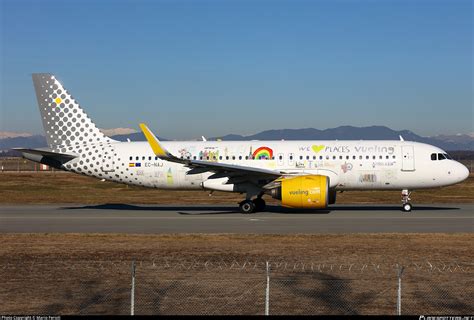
[(53, 159)]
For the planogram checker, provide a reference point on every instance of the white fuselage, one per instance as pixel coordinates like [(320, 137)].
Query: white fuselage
[(350, 165)]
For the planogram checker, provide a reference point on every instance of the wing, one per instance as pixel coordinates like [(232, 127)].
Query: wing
[(221, 170)]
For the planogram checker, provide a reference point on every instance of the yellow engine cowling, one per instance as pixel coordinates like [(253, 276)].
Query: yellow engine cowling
[(311, 191)]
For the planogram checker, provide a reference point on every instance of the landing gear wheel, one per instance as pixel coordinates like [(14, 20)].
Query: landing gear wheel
[(247, 207), (259, 204), (406, 207)]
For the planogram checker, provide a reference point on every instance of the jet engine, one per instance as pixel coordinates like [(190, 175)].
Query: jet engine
[(311, 191)]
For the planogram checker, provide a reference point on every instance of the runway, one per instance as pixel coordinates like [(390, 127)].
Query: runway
[(120, 218)]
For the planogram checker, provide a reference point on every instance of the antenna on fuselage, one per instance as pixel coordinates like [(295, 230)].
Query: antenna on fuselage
[(401, 138)]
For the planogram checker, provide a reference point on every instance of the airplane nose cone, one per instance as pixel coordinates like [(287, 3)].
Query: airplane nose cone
[(463, 172)]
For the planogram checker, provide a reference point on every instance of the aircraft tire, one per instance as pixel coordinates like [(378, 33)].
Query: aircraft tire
[(247, 207), (406, 207), (259, 204)]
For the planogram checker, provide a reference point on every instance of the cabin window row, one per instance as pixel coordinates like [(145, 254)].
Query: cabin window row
[(291, 157)]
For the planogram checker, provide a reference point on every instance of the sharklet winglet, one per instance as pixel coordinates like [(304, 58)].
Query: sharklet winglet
[(155, 144)]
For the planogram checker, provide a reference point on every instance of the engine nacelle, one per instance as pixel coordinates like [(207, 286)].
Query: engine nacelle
[(311, 191)]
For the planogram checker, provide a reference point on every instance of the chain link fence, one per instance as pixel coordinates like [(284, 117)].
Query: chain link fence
[(226, 288)]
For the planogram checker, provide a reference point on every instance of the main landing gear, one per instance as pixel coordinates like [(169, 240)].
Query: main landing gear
[(251, 206), (406, 205)]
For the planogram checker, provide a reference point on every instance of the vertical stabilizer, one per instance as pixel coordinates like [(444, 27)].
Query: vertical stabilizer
[(66, 125)]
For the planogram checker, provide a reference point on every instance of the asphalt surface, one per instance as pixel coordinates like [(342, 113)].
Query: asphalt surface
[(120, 218)]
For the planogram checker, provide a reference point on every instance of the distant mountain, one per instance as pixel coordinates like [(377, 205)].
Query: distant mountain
[(339, 133), (39, 141), (446, 142), (36, 141), (136, 136), (462, 142), (9, 134), (117, 131), (466, 140)]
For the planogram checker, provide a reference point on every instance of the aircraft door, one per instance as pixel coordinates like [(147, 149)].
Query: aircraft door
[(108, 159), (408, 158)]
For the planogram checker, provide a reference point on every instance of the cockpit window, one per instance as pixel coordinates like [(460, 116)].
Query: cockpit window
[(441, 156), (433, 156), (448, 156)]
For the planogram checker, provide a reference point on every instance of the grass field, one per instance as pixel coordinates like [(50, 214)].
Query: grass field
[(77, 273), (62, 187)]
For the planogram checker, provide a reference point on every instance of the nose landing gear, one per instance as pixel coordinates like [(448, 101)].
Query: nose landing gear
[(406, 205)]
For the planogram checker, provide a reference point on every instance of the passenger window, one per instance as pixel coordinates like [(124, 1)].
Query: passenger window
[(149, 158), (334, 157), (367, 157), (194, 157), (240, 157), (314, 157), (246, 157), (360, 157), (156, 158), (131, 158), (233, 157), (137, 158), (220, 157), (320, 157), (291, 157), (374, 157), (380, 157), (301, 157), (280, 157), (353, 157), (386, 157), (227, 157), (307, 157)]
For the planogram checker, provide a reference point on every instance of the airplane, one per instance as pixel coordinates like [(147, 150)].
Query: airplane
[(301, 174)]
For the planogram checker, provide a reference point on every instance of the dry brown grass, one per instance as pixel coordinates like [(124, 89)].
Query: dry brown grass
[(76, 273), (61, 187)]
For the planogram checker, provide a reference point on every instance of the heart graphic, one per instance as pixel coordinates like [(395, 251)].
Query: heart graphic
[(316, 148)]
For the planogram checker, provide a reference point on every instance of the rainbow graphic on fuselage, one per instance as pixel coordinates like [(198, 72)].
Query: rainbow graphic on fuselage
[(263, 153)]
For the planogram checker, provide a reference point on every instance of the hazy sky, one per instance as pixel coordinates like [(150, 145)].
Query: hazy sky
[(192, 68)]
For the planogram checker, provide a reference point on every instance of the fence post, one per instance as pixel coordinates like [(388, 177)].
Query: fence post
[(132, 295), (399, 296), (267, 292)]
